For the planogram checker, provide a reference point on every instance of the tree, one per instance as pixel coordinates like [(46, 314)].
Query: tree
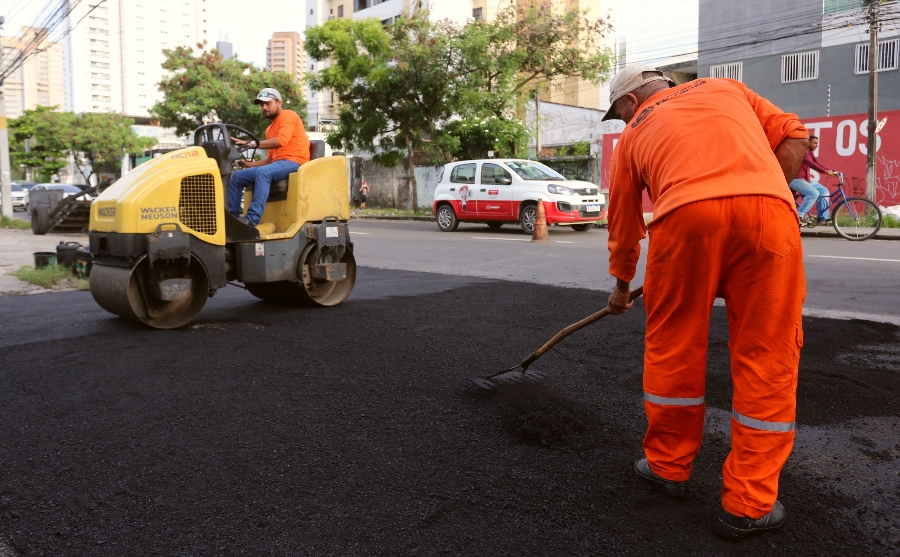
[(397, 86), (42, 128), (204, 87), (98, 140)]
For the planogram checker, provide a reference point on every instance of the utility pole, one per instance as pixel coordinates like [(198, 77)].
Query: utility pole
[(537, 117), (5, 168), (872, 138)]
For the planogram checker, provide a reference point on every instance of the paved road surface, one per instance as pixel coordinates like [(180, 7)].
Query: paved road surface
[(844, 279)]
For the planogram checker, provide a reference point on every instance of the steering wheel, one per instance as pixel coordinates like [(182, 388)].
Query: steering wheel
[(220, 132)]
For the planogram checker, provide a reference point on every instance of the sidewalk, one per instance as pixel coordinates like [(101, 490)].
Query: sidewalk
[(829, 232), (17, 248)]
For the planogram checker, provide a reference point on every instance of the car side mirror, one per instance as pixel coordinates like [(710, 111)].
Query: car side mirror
[(503, 180)]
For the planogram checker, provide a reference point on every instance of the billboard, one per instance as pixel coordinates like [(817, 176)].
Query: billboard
[(842, 146)]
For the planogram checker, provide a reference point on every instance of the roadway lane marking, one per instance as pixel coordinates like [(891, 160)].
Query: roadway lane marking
[(363, 233), (856, 258), (502, 239), (562, 242)]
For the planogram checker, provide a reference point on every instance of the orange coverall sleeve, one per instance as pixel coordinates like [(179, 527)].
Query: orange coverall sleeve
[(626, 217), (777, 124)]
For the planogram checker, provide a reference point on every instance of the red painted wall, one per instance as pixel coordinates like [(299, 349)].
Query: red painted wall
[(842, 146)]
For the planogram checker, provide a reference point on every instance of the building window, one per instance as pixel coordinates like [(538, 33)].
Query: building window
[(341, 10), (733, 70), (887, 56), (802, 66), (476, 14)]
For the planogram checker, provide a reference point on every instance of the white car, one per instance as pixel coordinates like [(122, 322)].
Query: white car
[(19, 198), (499, 191), (67, 189)]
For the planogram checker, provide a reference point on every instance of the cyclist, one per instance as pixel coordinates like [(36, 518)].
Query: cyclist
[(812, 192)]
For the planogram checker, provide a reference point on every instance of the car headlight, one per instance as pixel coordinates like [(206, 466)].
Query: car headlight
[(560, 190)]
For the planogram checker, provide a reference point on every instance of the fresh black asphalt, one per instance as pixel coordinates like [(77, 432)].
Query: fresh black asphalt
[(265, 430)]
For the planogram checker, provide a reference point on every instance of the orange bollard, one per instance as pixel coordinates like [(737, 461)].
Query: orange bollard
[(540, 234)]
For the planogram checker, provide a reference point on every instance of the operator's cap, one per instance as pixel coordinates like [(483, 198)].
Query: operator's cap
[(627, 81), (267, 95)]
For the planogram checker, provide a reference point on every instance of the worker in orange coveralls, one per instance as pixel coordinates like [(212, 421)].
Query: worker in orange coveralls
[(724, 225)]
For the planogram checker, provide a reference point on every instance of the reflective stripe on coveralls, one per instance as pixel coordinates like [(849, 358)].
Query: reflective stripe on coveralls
[(666, 401), (783, 427)]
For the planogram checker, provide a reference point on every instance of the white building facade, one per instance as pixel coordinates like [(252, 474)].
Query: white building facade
[(114, 55)]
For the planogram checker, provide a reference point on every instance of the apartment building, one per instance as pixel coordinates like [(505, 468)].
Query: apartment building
[(572, 92), (114, 55), (809, 57), (40, 80), (285, 53)]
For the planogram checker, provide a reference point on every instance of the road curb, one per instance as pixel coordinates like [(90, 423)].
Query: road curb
[(832, 234), (390, 217)]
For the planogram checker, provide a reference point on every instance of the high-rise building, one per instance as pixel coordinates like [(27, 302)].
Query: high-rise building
[(39, 80), (285, 53), (225, 48), (114, 54)]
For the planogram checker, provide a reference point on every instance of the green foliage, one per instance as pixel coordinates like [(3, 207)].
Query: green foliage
[(577, 149), (422, 86), (47, 150), (507, 138), (94, 140), (890, 221), (49, 276), (11, 222), (204, 87)]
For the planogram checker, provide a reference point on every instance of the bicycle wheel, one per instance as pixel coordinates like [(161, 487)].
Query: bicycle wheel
[(856, 218)]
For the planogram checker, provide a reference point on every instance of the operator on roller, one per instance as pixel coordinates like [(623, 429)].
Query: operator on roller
[(724, 225), (288, 148)]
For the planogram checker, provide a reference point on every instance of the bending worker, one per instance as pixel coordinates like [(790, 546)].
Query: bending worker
[(288, 148), (812, 192), (724, 225)]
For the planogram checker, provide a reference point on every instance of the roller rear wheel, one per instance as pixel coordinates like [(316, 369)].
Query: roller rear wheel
[(309, 290), (124, 292)]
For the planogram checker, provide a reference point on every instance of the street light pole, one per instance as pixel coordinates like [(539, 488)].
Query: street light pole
[(871, 143), (5, 176)]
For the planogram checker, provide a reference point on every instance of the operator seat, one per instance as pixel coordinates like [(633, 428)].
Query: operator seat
[(279, 188)]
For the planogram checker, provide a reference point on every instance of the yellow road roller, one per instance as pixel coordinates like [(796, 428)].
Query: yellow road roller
[(162, 241)]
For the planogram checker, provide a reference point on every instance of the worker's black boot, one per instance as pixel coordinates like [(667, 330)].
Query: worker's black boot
[(733, 527), (678, 490)]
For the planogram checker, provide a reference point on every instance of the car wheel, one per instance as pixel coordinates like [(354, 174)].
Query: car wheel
[(582, 227), (494, 224), (446, 219), (527, 217)]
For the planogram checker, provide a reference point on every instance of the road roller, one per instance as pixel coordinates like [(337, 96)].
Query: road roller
[(163, 242)]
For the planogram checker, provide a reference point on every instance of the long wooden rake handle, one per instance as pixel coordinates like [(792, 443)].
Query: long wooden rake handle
[(636, 293)]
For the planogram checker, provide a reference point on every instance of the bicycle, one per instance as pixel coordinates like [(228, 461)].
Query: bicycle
[(853, 218)]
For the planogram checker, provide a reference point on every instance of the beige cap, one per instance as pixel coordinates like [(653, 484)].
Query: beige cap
[(627, 81)]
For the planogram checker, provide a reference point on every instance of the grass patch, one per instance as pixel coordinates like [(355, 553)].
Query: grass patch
[(18, 224), (890, 221), (388, 212), (50, 276)]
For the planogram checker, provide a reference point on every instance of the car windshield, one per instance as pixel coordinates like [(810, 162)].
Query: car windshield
[(16, 187), (66, 188), (530, 170)]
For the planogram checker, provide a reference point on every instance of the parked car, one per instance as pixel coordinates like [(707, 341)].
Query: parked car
[(67, 189), (500, 191), (18, 197)]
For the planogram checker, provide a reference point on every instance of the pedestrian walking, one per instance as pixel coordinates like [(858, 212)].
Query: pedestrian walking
[(724, 225)]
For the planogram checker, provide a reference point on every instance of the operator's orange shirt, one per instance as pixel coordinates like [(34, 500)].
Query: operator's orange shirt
[(288, 128), (707, 139)]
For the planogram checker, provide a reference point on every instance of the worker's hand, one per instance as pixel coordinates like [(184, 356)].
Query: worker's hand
[(237, 141), (241, 163), (620, 300)]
